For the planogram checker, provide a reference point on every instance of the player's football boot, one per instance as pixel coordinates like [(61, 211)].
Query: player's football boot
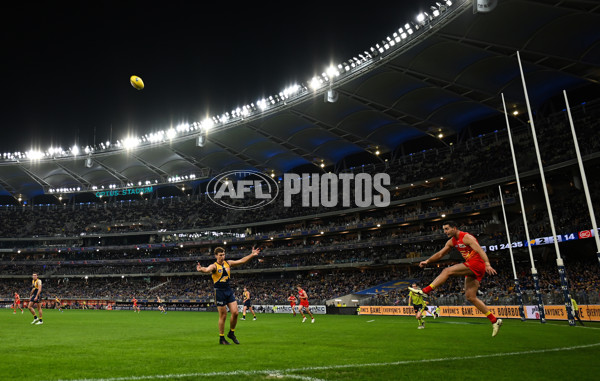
[(417, 291), (231, 335), (496, 327)]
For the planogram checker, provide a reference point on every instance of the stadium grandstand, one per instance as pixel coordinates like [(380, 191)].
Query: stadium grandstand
[(104, 224)]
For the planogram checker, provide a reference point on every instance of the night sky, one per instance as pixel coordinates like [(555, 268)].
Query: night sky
[(66, 66)]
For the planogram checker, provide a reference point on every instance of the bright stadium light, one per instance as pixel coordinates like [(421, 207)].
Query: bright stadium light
[(130, 143), (207, 124), (171, 133), (332, 72), (35, 155), (315, 83), (75, 150), (262, 104)]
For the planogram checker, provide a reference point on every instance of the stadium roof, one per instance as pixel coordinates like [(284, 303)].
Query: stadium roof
[(443, 80)]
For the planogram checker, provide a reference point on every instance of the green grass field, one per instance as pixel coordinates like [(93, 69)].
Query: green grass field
[(123, 345)]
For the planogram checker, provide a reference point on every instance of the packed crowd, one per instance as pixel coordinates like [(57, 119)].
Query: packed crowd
[(323, 285)]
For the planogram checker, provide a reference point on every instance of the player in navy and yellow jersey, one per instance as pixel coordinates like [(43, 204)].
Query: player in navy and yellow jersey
[(221, 272), (247, 304), (17, 304), (476, 265), (416, 300), (161, 306), (58, 303), (35, 297)]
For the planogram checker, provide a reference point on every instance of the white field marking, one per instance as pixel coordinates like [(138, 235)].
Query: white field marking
[(286, 372), (370, 321), (576, 326), (294, 376)]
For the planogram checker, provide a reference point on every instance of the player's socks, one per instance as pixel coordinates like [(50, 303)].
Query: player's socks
[(491, 317), (428, 289)]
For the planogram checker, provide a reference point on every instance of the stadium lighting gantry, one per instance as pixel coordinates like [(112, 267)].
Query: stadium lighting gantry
[(322, 82)]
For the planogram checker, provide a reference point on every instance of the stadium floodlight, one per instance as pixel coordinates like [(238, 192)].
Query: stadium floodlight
[(75, 150), (34, 155), (171, 133), (332, 72), (130, 143), (435, 11), (448, 3), (421, 17), (315, 83), (207, 124)]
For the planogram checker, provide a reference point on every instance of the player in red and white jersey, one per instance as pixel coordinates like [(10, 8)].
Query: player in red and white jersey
[(476, 265), (292, 300), (136, 308), (304, 304), (17, 304)]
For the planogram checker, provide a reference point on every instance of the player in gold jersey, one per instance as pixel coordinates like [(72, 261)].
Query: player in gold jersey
[(247, 304), (58, 303), (221, 272), (35, 297)]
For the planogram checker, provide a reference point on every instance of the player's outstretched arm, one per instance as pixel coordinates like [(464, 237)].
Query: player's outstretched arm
[(241, 261), (208, 269), (437, 256)]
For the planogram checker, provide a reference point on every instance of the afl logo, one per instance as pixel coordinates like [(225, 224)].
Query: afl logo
[(242, 190), (585, 234)]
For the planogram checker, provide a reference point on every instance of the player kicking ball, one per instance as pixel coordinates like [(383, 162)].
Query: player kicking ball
[(476, 265)]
